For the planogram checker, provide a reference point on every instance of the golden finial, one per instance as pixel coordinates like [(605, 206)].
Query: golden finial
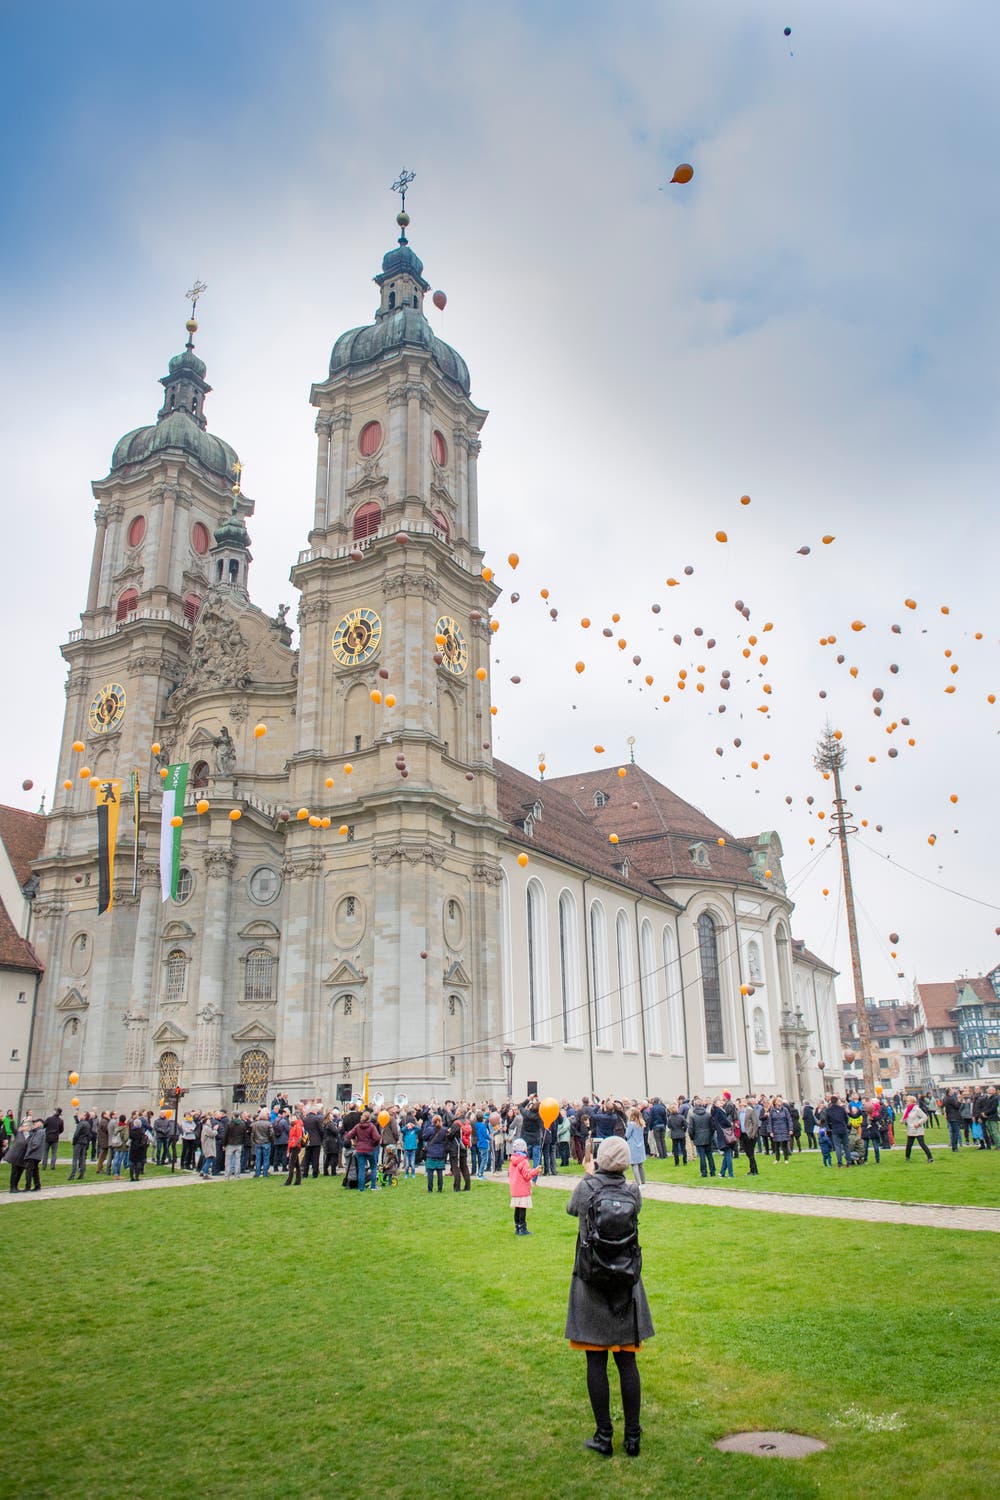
[(192, 295)]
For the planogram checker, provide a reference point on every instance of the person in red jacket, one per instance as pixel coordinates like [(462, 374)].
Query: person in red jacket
[(521, 1175), (366, 1137), (296, 1134)]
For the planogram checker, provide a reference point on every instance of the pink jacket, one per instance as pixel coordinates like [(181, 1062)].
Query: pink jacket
[(521, 1175)]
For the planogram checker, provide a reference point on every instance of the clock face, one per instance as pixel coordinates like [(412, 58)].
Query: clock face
[(357, 637), (455, 651), (108, 709)]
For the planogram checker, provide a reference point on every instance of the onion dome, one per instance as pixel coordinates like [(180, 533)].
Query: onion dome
[(180, 422)]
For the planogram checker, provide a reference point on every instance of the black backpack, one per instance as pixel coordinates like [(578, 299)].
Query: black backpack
[(609, 1256)]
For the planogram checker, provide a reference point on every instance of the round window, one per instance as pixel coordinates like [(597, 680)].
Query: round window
[(136, 530), (439, 448), (370, 440), (79, 954), (349, 921), (454, 922), (264, 885), (185, 884), (200, 539)]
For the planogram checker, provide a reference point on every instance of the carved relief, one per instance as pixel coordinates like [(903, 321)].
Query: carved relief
[(301, 869), (219, 654), (314, 609), (219, 864), (488, 874), (397, 584), (413, 854)]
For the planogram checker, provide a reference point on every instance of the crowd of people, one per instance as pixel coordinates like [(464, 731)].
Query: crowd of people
[(372, 1148)]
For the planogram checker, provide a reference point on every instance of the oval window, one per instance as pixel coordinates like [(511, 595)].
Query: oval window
[(439, 448), (136, 530), (370, 440), (200, 539)]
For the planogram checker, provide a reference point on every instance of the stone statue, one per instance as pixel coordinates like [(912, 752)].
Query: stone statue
[(281, 618), (225, 753)]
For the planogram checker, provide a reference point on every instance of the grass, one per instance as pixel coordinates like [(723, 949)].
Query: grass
[(239, 1340), (963, 1177)]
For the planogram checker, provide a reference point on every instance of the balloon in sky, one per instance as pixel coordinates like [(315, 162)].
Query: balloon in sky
[(440, 301), (788, 31), (683, 173), (513, 559), (27, 784)]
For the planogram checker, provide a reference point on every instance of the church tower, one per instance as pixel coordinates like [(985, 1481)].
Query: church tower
[(393, 718), (166, 511)]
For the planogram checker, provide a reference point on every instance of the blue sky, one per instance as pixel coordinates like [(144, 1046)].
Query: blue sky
[(814, 321)]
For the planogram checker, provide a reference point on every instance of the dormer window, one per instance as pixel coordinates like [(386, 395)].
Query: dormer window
[(536, 811), (624, 868), (699, 855), (601, 799), (528, 826)]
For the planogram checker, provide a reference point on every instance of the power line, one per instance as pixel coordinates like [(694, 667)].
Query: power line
[(990, 906)]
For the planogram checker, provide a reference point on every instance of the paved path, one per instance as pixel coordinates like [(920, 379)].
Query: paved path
[(860, 1210), (864, 1210)]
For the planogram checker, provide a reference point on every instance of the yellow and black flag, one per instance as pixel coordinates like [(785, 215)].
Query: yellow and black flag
[(109, 797)]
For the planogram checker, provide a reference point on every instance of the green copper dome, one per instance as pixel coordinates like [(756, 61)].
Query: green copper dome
[(402, 261), (180, 422), (406, 327), (178, 429)]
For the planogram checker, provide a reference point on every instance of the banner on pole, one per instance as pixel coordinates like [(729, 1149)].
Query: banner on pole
[(174, 788), (109, 794)]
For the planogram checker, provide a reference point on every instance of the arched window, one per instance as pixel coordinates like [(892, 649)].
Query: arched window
[(626, 983), (439, 448), (569, 971), (602, 978), (136, 530), (258, 982), (675, 998), (367, 519), (128, 603), (200, 538), (170, 1073), (538, 976), (192, 604), (176, 974), (254, 1068), (650, 988), (708, 951), (199, 774)]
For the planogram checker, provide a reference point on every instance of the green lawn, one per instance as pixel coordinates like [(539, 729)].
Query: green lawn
[(966, 1176), (246, 1340)]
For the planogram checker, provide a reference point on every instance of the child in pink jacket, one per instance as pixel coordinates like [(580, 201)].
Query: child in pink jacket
[(520, 1175)]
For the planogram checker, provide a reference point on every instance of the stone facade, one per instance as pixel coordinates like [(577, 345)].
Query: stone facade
[(405, 939)]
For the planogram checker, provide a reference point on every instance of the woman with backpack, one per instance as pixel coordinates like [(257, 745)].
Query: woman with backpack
[(608, 1311)]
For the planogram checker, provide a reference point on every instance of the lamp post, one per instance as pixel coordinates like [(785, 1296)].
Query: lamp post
[(507, 1058)]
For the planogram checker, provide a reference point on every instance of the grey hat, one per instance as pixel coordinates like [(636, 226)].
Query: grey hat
[(613, 1154), (519, 1145)]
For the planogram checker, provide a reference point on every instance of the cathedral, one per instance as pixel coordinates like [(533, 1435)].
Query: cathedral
[(363, 889)]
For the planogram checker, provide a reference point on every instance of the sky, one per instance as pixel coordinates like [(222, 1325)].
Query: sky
[(811, 322)]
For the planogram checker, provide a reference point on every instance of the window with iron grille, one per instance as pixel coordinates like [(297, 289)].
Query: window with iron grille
[(176, 974), (258, 982)]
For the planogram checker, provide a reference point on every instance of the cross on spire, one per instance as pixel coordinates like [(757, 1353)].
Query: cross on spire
[(400, 186), (192, 295)]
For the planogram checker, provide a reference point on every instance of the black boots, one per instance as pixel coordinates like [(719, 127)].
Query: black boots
[(601, 1443), (632, 1443)]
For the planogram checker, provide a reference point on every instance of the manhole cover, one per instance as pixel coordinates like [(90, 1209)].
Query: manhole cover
[(770, 1444)]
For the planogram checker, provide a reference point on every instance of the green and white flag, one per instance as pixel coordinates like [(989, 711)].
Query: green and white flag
[(174, 788)]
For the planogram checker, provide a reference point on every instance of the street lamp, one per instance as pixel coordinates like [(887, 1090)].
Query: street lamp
[(507, 1058)]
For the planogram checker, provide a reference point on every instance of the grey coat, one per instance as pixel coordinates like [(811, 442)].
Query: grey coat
[(35, 1149), (592, 1317)]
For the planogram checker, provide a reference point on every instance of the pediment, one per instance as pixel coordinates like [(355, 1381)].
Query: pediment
[(346, 973), (456, 973), (168, 1032), (254, 1031), (73, 1000), (175, 931), (257, 930), (201, 736)]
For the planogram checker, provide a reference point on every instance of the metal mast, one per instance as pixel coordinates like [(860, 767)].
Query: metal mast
[(831, 757)]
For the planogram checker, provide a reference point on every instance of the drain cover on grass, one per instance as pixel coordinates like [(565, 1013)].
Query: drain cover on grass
[(770, 1444)]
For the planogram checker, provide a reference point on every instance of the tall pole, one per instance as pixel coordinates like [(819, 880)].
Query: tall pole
[(831, 756)]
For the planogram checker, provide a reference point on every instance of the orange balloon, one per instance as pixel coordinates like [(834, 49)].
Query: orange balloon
[(302, 814), (598, 749), (348, 769), (175, 822), (383, 1117), (585, 623), (480, 674), (487, 574), (342, 830), (155, 747), (259, 731), (581, 666), (720, 536), (744, 499), (612, 838), (522, 860), (84, 773), (201, 806), (390, 700), (74, 1079), (235, 815), (78, 746), (68, 785), (513, 559), (683, 173), (375, 695), (622, 771), (328, 782), (75, 1103), (549, 1111)]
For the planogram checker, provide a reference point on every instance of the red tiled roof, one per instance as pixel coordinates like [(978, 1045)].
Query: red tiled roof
[(564, 832), (15, 952), (654, 826), (939, 999), (23, 835)]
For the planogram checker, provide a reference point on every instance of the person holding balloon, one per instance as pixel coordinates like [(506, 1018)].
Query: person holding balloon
[(520, 1175)]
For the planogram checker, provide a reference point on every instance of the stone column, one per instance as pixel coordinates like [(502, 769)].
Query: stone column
[(473, 496), (320, 514), (315, 677), (140, 995), (219, 865), (165, 546), (302, 872), (110, 559), (101, 518), (413, 394), (336, 503)]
